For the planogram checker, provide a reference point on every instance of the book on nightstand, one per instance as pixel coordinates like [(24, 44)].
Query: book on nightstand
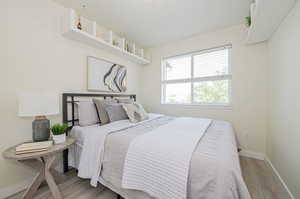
[(33, 147)]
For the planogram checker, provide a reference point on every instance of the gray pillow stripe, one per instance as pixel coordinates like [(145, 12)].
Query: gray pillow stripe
[(100, 105), (115, 112)]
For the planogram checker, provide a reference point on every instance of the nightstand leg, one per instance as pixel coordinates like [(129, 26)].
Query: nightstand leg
[(50, 180), (44, 174), (38, 179)]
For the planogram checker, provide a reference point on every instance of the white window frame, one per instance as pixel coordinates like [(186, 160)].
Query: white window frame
[(192, 80)]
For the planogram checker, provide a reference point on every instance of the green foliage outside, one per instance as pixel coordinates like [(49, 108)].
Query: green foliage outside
[(172, 100), (58, 129), (211, 92), (206, 92)]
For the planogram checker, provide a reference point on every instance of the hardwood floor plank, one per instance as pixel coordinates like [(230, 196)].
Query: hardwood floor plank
[(254, 184), (107, 194), (45, 193), (93, 193), (80, 189), (261, 181), (273, 187)]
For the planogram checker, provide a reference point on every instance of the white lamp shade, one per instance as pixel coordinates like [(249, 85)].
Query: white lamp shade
[(38, 104)]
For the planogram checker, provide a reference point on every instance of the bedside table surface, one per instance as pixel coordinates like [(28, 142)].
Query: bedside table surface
[(10, 153)]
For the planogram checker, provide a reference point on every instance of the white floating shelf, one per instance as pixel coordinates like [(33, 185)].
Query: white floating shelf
[(96, 36), (266, 16)]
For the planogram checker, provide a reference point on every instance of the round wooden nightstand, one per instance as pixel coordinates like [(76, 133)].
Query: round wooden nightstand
[(46, 158)]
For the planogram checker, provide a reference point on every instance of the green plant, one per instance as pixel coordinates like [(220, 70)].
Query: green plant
[(115, 43), (248, 21), (59, 129)]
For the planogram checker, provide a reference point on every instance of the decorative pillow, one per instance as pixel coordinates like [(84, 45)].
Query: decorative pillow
[(87, 113), (135, 112), (125, 101), (100, 105), (115, 112)]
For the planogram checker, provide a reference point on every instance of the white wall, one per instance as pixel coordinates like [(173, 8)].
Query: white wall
[(34, 56), (249, 70), (284, 108)]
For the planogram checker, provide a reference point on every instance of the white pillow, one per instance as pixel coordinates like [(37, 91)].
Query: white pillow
[(135, 112), (87, 113)]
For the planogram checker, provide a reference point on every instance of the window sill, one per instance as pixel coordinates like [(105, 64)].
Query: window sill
[(202, 106)]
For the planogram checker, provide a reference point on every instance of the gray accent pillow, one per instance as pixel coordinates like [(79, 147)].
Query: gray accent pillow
[(100, 105), (125, 101), (115, 112), (87, 113), (135, 112)]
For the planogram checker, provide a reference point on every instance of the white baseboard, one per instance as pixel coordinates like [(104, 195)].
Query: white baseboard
[(11, 190), (279, 177), (251, 154)]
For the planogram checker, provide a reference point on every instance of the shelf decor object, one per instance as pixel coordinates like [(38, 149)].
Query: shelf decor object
[(79, 24), (248, 21), (39, 105), (95, 35), (266, 16)]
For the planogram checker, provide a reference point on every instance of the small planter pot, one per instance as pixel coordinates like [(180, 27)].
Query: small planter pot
[(59, 139)]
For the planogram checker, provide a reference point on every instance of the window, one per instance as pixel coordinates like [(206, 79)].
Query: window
[(197, 78)]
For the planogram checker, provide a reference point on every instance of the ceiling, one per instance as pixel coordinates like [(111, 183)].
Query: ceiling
[(154, 22)]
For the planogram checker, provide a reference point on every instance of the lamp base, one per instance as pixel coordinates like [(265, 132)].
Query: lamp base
[(40, 129)]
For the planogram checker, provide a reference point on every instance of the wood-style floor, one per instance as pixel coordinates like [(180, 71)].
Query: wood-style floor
[(259, 177)]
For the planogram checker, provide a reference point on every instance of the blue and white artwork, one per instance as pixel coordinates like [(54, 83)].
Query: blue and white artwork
[(106, 76)]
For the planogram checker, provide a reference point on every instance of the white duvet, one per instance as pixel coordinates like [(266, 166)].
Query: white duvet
[(93, 147), (214, 171)]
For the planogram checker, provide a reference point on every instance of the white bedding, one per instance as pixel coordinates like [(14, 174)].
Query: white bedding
[(93, 147), (79, 132), (159, 167), (214, 160)]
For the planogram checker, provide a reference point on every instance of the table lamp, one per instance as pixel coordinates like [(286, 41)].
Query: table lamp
[(39, 105)]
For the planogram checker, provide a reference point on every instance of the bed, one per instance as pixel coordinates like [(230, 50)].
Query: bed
[(214, 170)]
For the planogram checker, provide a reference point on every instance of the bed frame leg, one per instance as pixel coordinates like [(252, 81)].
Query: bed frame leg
[(65, 161)]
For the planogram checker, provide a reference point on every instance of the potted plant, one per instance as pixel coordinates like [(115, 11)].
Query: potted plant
[(248, 21), (59, 133)]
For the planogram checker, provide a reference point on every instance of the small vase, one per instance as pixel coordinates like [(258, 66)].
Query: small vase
[(59, 139), (79, 27)]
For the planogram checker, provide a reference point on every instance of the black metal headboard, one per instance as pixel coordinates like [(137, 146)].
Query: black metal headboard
[(70, 98)]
